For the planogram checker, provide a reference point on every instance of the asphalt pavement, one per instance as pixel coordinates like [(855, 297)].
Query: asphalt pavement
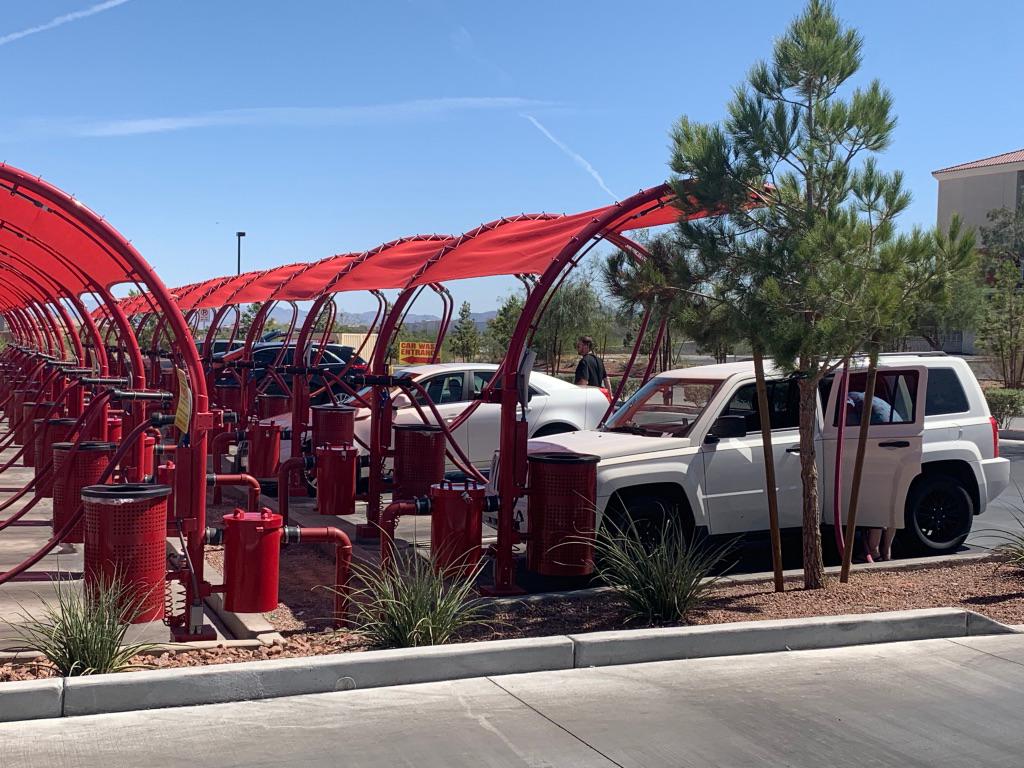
[(932, 703)]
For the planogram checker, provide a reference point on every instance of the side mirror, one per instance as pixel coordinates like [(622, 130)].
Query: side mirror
[(727, 426), (401, 400)]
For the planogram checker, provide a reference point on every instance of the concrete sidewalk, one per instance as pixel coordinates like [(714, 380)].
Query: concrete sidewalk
[(925, 703)]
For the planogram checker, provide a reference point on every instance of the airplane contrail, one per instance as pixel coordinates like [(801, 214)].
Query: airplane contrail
[(576, 156), (60, 21)]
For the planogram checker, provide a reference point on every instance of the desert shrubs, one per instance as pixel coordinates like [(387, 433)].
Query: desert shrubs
[(661, 582)]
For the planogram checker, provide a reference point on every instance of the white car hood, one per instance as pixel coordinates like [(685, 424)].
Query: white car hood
[(607, 445)]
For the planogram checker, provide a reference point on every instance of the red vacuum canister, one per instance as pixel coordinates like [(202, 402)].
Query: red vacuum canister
[(125, 538), (48, 432), (87, 465), (228, 396), (268, 406), (336, 479), (115, 426), (333, 425), (252, 558), (561, 508), (264, 449), (419, 460), (456, 525)]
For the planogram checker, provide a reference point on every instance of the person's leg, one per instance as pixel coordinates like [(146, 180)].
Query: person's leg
[(873, 539), (887, 537)]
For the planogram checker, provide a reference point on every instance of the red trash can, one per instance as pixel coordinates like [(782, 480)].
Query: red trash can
[(48, 432), (419, 460), (125, 538), (561, 506), (333, 425), (91, 458)]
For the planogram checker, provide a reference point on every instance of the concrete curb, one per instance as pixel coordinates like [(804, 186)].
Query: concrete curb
[(598, 649), (31, 700), (320, 674), (247, 681)]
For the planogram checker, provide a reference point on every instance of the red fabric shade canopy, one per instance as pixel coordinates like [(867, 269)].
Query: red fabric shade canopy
[(524, 244)]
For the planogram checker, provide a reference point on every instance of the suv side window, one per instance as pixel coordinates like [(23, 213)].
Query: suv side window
[(895, 400), (945, 393), (445, 388), (783, 405)]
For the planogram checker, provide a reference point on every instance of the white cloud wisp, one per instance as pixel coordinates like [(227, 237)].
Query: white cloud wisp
[(569, 152), (60, 21)]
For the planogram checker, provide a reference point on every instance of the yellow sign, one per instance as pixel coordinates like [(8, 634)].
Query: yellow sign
[(415, 352), (184, 414)]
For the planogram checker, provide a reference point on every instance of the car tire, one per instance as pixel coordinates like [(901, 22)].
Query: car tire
[(938, 516), (648, 515)]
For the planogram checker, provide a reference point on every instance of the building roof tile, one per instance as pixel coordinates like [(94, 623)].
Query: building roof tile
[(1017, 156)]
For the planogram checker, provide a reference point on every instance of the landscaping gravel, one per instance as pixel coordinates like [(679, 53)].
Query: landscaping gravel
[(985, 586)]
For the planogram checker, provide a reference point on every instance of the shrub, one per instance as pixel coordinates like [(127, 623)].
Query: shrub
[(660, 582), (410, 605), (1005, 404), (83, 631)]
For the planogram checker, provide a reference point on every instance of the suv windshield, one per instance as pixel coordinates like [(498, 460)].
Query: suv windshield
[(664, 407)]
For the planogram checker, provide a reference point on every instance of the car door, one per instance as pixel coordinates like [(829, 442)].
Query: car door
[(892, 458), (734, 476), (484, 425), (448, 391)]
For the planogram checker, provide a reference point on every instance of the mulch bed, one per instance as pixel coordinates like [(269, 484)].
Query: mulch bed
[(982, 586)]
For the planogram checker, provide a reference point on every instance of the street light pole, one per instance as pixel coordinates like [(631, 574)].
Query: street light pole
[(239, 236)]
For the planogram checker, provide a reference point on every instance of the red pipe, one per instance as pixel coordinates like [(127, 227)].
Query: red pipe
[(342, 563), (284, 472), (240, 480), (218, 447), (388, 523)]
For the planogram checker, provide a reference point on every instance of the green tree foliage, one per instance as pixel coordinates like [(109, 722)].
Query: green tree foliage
[(1001, 331), (575, 310), (465, 338), (500, 327), (818, 268)]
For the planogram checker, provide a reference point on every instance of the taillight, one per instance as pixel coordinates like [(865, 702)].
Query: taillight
[(995, 436), (606, 393)]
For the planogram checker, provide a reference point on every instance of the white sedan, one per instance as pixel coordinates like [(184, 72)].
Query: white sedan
[(555, 406)]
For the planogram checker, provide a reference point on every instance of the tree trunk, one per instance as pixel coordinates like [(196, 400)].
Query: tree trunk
[(858, 465), (814, 568), (769, 468)]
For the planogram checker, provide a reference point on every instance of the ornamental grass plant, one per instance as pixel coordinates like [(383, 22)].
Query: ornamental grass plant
[(408, 604), (82, 631), (662, 581)]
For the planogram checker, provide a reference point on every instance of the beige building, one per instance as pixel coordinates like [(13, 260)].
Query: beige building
[(973, 189)]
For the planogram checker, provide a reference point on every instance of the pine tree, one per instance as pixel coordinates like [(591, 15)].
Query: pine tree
[(818, 263), (465, 340)]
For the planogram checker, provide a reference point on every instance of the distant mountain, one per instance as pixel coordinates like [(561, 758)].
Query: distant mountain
[(420, 322), (283, 315)]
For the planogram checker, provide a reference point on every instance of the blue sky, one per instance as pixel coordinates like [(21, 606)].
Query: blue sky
[(324, 126)]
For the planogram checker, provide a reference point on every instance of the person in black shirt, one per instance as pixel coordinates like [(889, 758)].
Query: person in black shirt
[(590, 370)]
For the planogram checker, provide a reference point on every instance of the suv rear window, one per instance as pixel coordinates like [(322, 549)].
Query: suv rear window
[(945, 393)]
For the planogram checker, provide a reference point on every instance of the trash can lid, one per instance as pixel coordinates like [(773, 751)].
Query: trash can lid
[(86, 445), (417, 428), (132, 491)]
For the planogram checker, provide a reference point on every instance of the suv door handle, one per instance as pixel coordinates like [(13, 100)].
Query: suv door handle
[(793, 450), (895, 444)]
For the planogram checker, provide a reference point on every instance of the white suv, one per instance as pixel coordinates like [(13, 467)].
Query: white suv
[(688, 445)]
